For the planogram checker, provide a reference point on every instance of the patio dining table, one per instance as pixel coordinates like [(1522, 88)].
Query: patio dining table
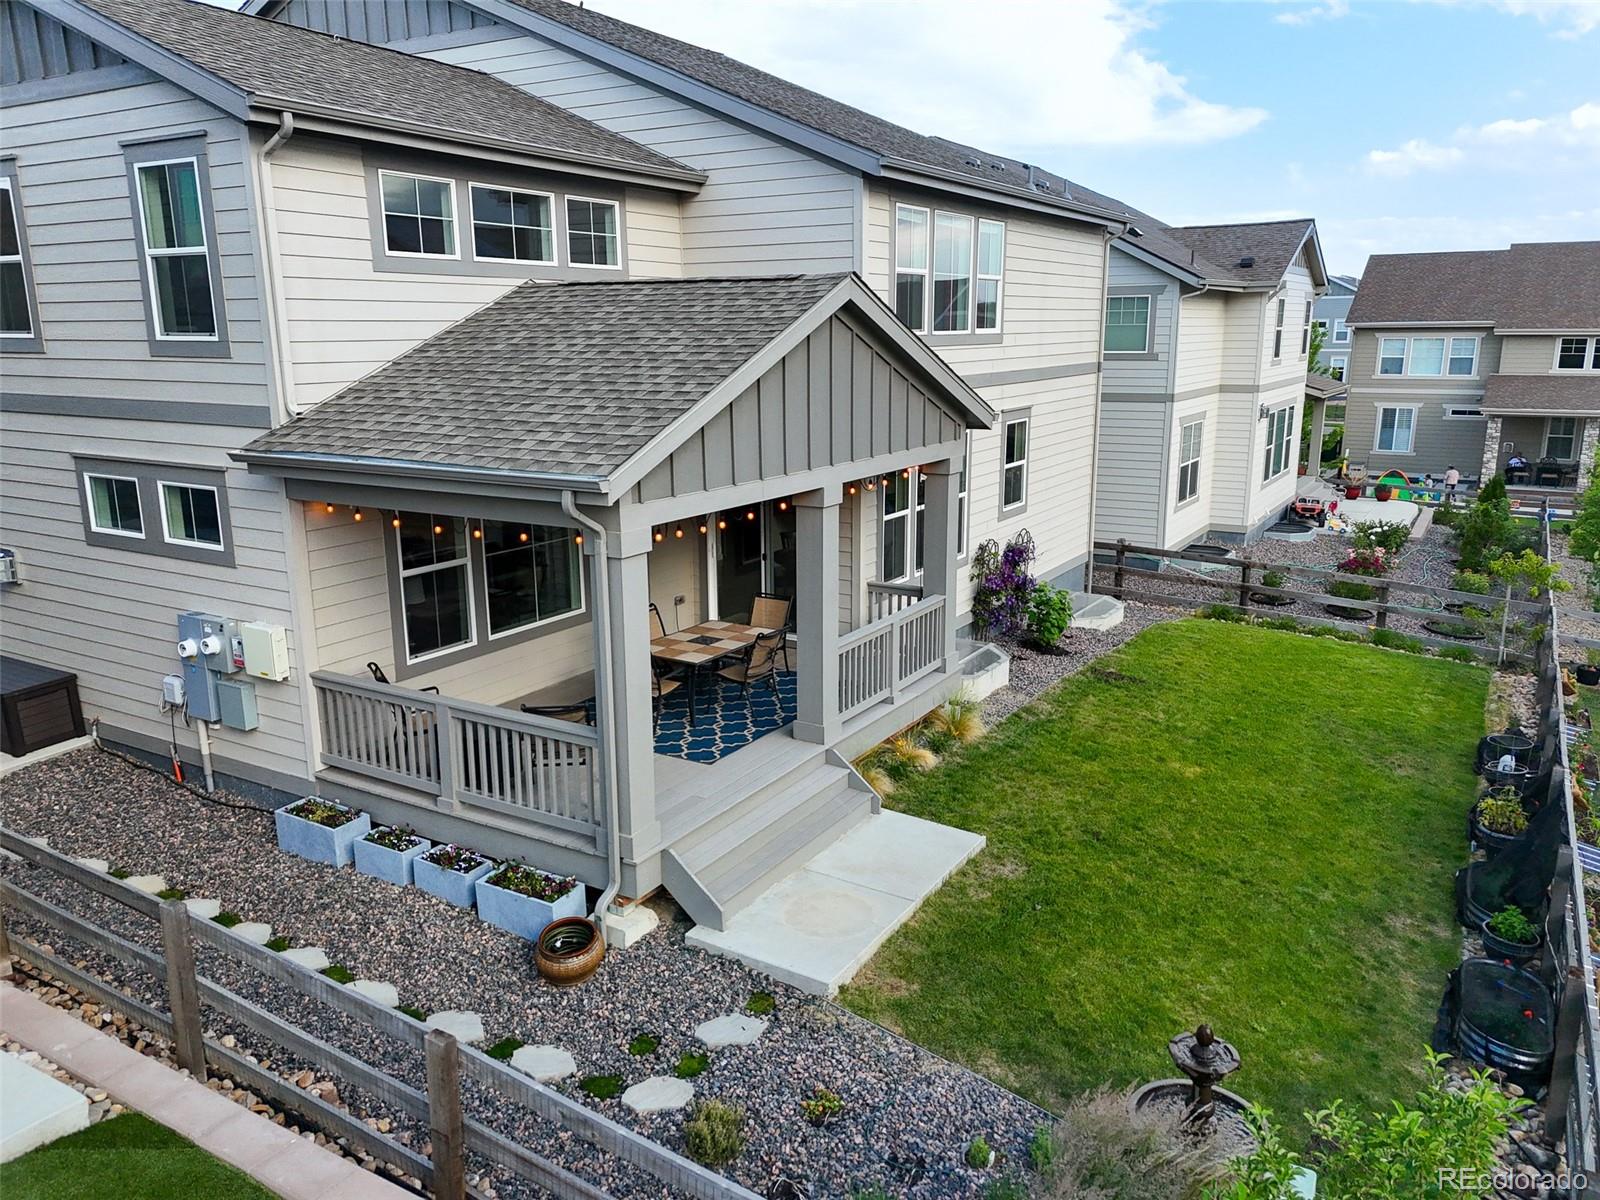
[(698, 647)]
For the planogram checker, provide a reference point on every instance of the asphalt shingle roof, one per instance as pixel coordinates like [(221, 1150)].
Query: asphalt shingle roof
[(1531, 285), (1324, 387), (1542, 393), (272, 61), (570, 379), (1272, 244)]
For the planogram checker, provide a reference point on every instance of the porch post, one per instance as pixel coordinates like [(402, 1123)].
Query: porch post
[(1319, 430), (940, 530), (1491, 449), (628, 616), (817, 614), (1586, 448)]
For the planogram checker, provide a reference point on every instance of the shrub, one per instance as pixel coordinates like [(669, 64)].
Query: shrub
[(1098, 1149), (979, 1153), (1049, 614), (961, 717), (1502, 812), (1041, 1153), (1390, 640), (1388, 536), (1288, 623), (1004, 585), (903, 756), (1583, 539), (714, 1134), (1485, 528), (1511, 924), (1528, 572), (1221, 612), (1274, 579), (1345, 590), (1470, 581), (876, 778), (822, 1106), (1374, 560)]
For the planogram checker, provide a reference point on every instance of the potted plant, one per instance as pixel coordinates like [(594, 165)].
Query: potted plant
[(1383, 491), (450, 872), (388, 851), (1588, 671), (524, 900), (1510, 936), (1352, 491), (568, 951), (320, 830), (1497, 820)]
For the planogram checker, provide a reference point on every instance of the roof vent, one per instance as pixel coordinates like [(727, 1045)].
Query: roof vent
[(973, 162), (1249, 260)]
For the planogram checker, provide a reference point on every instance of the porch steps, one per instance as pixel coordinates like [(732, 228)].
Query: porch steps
[(727, 862)]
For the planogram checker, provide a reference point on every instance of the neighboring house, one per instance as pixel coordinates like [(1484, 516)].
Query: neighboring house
[(1471, 358), (1332, 313), (1204, 375)]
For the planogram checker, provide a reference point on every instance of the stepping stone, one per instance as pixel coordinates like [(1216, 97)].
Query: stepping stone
[(463, 1026), (314, 957), (147, 883), (385, 994), (735, 1029), (202, 909), (94, 864), (544, 1063), (252, 931), (658, 1093)]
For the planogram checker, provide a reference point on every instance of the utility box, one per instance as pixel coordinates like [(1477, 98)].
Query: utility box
[(219, 635), (236, 704), (199, 681), (266, 650)]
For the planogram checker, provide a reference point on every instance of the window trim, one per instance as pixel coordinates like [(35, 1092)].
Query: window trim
[(978, 277), (1405, 358), (472, 225), (146, 153), (1151, 298), (93, 525), (908, 517), (566, 220), (1193, 497), (1305, 333), (1024, 417), (1462, 412), (166, 528), (1444, 356), (1591, 354), (1377, 429), (455, 216), (1450, 354), (464, 564), (1341, 332), (149, 476), (926, 270), (33, 341)]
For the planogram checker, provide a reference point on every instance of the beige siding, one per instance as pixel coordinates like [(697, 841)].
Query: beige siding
[(1202, 341), (1528, 355), (1440, 442)]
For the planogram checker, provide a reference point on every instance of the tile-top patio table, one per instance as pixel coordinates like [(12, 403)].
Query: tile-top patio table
[(701, 646)]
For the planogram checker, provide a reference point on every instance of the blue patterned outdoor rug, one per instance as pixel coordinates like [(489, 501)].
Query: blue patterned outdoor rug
[(727, 720)]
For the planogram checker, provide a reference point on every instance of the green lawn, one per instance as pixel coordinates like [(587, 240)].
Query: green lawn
[(1217, 823), (128, 1157)]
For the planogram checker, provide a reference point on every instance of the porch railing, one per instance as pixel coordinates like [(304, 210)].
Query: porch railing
[(879, 659), (886, 599), (536, 768)]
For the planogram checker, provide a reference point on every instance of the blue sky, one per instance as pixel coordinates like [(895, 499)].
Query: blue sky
[(1400, 125)]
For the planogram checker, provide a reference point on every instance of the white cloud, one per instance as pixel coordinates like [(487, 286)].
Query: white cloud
[(1507, 144), (1030, 74), (1415, 155), (1349, 240), (1330, 10)]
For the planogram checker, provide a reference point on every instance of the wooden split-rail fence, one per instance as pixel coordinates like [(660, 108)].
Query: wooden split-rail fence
[(454, 1134)]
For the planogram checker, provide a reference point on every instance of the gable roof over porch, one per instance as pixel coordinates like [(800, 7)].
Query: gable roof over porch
[(592, 386)]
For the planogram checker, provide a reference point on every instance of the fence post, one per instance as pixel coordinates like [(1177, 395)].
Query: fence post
[(444, 1115), (444, 751), (8, 965), (183, 995), (1244, 588), (1381, 617), (1122, 561)]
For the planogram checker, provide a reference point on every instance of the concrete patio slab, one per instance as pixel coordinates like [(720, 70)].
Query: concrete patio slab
[(817, 928), (35, 1109)]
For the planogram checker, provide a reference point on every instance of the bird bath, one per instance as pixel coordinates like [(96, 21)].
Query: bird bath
[(1207, 1111)]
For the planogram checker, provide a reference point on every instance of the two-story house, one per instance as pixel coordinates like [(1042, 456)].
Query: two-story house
[(1485, 360), (1204, 376), (1332, 313)]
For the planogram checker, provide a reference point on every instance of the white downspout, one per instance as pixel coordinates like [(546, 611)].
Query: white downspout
[(276, 299), (1109, 235), (604, 708)]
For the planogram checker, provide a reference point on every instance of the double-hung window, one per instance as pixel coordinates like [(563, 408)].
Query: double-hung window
[(961, 499), (18, 326), (1341, 331), (1305, 332), (1396, 427), (991, 266), (1277, 330), (1276, 459), (435, 584), (1337, 364), (177, 256), (419, 215), (1427, 356), (952, 273), (1127, 324), (509, 225), (911, 266), (1190, 439), (895, 557), (1463, 356), (531, 574), (1014, 465), (1392, 356), (114, 505), (191, 515), (1578, 354), (594, 237), (1560, 437)]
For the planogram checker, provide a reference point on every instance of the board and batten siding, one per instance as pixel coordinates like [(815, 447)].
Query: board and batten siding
[(34, 46), (345, 317), (382, 23), (1439, 442), (767, 207)]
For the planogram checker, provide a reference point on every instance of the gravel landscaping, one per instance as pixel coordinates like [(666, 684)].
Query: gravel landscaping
[(908, 1115)]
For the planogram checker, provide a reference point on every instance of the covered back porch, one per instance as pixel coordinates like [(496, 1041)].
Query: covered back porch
[(1540, 432)]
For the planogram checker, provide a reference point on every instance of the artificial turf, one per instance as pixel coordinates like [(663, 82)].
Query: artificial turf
[(1215, 823)]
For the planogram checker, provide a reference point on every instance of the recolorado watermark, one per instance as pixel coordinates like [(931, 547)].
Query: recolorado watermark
[(1470, 1179)]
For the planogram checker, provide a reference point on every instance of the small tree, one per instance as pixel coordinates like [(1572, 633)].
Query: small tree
[(1584, 537), (1486, 527), (1529, 574)]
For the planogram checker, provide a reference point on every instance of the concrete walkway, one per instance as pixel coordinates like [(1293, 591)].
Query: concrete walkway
[(817, 928), (282, 1162)]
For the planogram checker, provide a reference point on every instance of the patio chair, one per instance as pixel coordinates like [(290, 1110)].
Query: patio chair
[(760, 663), (772, 611), (658, 627), (379, 677), (577, 712), (660, 688), (1547, 472)]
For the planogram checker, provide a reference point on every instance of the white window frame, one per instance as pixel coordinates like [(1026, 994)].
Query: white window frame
[(472, 225), (88, 498), (903, 528), (1591, 354), (1006, 466), (1277, 328), (566, 231), (1305, 333), (1572, 438), (1450, 356), (1462, 412), (971, 275), (1444, 356), (1341, 364), (1405, 358), (978, 276), (490, 632), (963, 500), (1411, 429), (926, 270), (1184, 464), (1149, 322), (151, 253), (1278, 443), (21, 261), (1341, 332), (166, 527), (383, 213), (406, 572)]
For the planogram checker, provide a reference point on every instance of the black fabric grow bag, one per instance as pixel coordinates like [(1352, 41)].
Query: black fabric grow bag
[(1502, 1017)]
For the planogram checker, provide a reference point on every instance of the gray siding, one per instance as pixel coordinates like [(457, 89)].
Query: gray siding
[(34, 46), (1150, 372), (1330, 308), (1440, 442), (391, 21), (1130, 474), (1527, 354), (834, 399)]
